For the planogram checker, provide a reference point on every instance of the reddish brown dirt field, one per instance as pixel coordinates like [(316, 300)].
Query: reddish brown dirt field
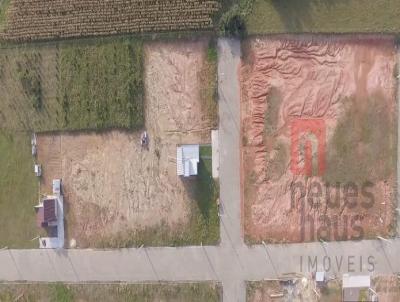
[(387, 287), (346, 86), (113, 187)]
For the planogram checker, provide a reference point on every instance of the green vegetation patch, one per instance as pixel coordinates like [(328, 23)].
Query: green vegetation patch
[(297, 16), (19, 192), (277, 151), (274, 101), (101, 85), (4, 4), (92, 84), (363, 146), (205, 192), (209, 84), (58, 292)]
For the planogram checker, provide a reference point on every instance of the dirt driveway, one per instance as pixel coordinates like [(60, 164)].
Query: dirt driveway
[(114, 189)]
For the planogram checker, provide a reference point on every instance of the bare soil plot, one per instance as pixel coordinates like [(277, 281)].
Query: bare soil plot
[(119, 194), (343, 88)]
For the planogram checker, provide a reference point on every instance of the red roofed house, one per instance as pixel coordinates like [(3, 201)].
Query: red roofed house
[(46, 213), (50, 217)]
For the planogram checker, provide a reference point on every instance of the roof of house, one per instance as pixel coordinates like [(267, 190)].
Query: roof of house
[(360, 281), (50, 210), (320, 276), (187, 159), (47, 212)]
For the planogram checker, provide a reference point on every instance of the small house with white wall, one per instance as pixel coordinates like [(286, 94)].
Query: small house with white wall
[(187, 160), (50, 217), (357, 288)]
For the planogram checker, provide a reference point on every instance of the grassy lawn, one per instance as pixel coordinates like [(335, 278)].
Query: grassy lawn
[(204, 190), (3, 8), (209, 80), (90, 84), (57, 292), (205, 193), (320, 16), (19, 192)]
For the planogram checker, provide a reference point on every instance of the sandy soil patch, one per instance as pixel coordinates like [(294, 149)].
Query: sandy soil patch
[(346, 87), (387, 288), (113, 186)]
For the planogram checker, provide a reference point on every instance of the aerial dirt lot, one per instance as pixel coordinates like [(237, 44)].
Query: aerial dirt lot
[(115, 190), (387, 287), (319, 120)]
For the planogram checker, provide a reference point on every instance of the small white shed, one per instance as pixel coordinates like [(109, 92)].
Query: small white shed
[(356, 286), (187, 160), (38, 170), (56, 187)]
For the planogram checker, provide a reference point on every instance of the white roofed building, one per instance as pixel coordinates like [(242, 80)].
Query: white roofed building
[(187, 160)]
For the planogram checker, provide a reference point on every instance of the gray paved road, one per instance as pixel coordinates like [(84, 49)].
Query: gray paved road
[(232, 262), (196, 263)]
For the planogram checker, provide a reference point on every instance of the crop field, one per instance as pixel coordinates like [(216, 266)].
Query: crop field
[(72, 85), (58, 292), (319, 137), (49, 19)]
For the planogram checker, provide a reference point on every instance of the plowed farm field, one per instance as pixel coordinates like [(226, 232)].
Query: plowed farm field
[(319, 120)]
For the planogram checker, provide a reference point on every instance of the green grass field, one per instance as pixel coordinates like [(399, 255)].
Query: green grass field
[(91, 84), (314, 16), (209, 78), (57, 292), (323, 16), (101, 85), (3, 8), (19, 192), (205, 191)]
